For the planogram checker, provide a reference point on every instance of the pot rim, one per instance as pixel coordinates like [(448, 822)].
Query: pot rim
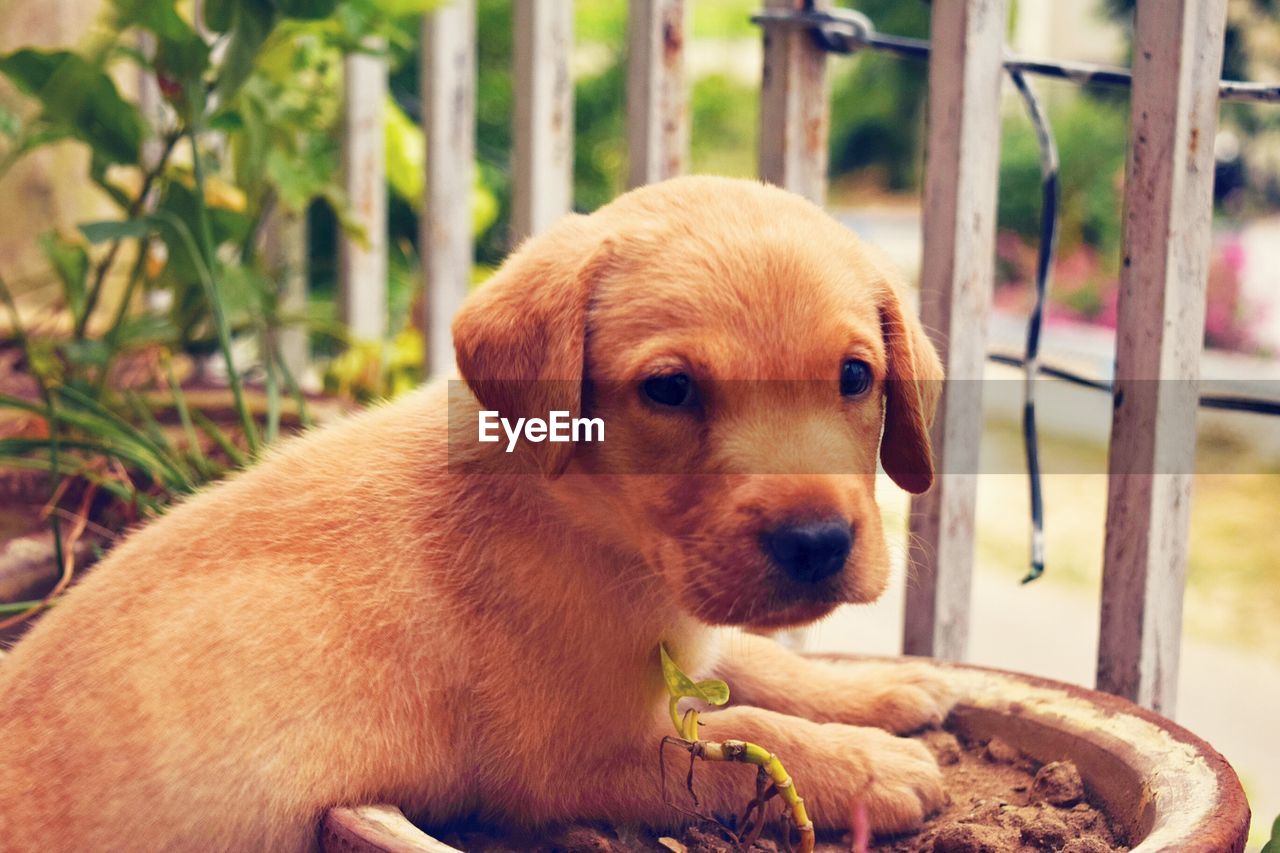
[(1187, 790)]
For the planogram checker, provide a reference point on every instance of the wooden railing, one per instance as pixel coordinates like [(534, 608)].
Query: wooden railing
[(1168, 207)]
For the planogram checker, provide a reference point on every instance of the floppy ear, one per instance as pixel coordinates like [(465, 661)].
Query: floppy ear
[(912, 391), (519, 340)]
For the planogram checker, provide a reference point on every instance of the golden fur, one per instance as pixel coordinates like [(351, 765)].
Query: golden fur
[(357, 619)]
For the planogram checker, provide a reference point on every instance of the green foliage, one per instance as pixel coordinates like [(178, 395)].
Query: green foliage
[(877, 101), (713, 691), (306, 9), (271, 92), (1091, 146), (78, 100), (406, 155), (600, 133), (70, 262), (1273, 845), (726, 134)]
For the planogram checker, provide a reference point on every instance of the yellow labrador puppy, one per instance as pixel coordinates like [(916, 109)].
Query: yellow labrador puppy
[(389, 609)]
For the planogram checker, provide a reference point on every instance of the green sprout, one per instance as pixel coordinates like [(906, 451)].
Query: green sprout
[(771, 777)]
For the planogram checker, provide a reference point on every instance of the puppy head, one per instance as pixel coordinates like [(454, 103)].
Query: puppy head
[(746, 354)]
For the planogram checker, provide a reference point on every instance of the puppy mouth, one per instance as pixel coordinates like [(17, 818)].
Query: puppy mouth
[(794, 615), (771, 605)]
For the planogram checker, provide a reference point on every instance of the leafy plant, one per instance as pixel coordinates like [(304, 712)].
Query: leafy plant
[(245, 129), (1273, 845), (771, 777)]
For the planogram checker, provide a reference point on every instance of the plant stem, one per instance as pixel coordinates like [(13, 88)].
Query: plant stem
[(743, 752), (273, 386), (100, 272), (299, 398), (113, 334), (9, 607), (188, 429), (215, 297)]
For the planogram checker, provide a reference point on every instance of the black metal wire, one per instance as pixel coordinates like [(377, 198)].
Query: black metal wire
[(1035, 323), (1218, 402), (846, 31)]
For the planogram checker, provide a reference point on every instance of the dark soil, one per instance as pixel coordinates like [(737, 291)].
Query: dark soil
[(1001, 802)]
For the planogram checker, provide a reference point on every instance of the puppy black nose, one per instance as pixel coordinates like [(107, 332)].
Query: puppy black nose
[(810, 551)]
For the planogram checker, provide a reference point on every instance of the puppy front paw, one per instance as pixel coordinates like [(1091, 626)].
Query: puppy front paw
[(906, 785), (896, 697), (910, 697), (901, 783)]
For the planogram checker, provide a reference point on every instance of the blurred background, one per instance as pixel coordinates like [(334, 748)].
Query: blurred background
[(137, 268)]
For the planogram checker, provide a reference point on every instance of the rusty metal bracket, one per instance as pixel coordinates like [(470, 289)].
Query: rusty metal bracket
[(843, 31)]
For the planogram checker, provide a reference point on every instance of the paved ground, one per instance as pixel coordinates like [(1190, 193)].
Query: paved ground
[(1227, 696)]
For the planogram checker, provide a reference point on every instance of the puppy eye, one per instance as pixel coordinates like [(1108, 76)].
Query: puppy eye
[(673, 389), (855, 377)]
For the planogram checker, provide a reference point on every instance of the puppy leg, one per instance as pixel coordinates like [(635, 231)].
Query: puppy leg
[(899, 697), (833, 766)]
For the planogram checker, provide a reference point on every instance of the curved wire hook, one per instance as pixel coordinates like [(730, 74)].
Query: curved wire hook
[(1035, 323)]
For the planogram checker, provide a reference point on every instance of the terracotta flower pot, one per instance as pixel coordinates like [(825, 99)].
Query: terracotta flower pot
[(1163, 788)]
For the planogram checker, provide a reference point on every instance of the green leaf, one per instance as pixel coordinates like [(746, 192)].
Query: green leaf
[(142, 329), (680, 686), (406, 154), (407, 7), (220, 438), (219, 14), (181, 54), (712, 691), (71, 263), (375, 12), (252, 22), (127, 229), (1273, 846), (299, 177), (715, 691), (160, 17), (310, 10), (78, 100), (246, 295), (180, 203), (86, 352), (226, 121), (184, 61)]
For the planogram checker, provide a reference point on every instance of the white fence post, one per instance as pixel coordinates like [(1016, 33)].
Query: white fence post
[(1177, 59), (543, 190), (448, 86), (657, 100), (961, 162), (362, 258), (795, 107)]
